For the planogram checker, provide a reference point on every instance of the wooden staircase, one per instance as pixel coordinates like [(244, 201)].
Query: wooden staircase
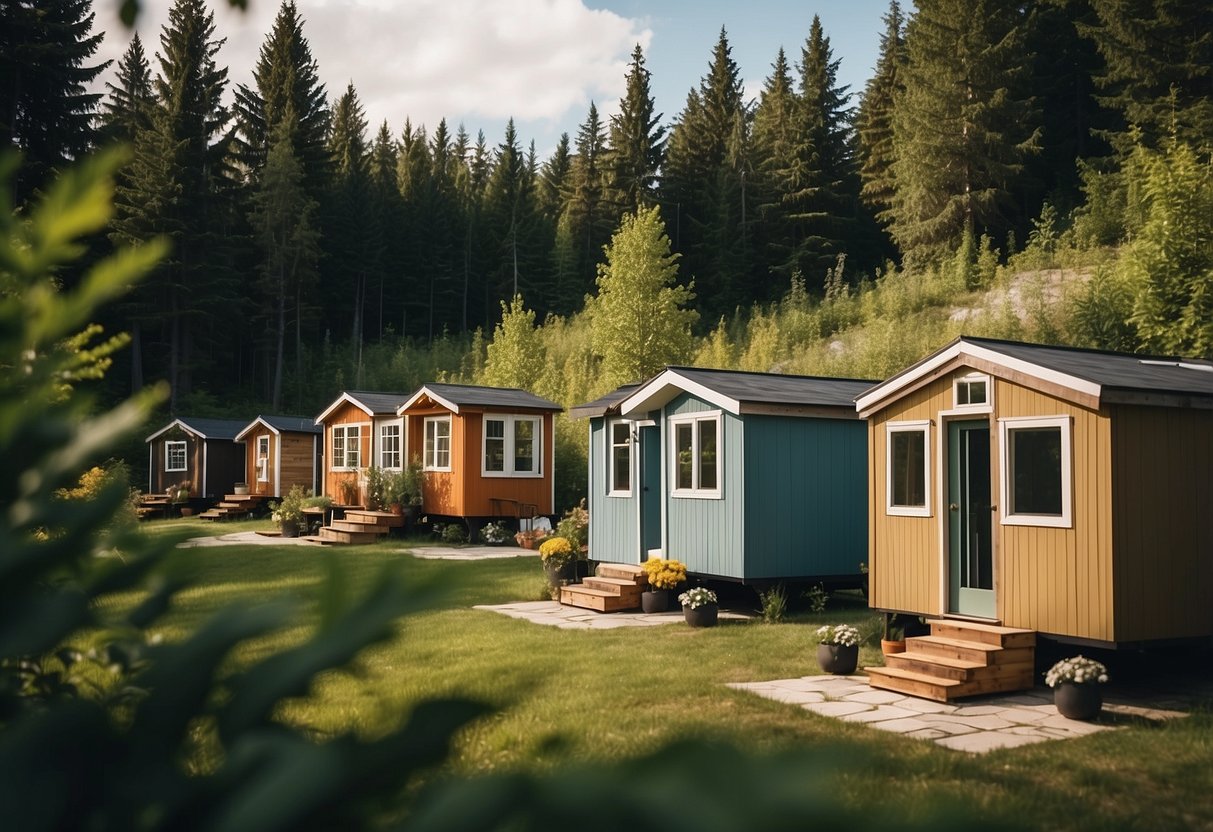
[(358, 526), (233, 506), (615, 586), (958, 659)]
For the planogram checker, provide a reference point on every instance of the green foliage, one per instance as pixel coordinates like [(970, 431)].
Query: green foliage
[(574, 527), (515, 355), (289, 510), (818, 598), (774, 604)]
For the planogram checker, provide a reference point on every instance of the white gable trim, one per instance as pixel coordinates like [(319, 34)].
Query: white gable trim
[(342, 399), (176, 423), (882, 393), (666, 386), (425, 391), (253, 424)]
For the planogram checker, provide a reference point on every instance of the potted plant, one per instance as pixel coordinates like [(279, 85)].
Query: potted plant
[(408, 488), (664, 575), (494, 534), (699, 607), (377, 497), (530, 538), (838, 648), (893, 640), (288, 513), (349, 491), (240, 488), (559, 561), (1077, 687)]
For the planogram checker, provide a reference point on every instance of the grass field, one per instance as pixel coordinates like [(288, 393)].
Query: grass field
[(568, 695)]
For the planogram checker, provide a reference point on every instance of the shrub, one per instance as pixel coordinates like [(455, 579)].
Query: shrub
[(574, 526), (556, 552), (450, 532), (774, 604), (817, 598), (494, 533), (665, 574), (698, 597)]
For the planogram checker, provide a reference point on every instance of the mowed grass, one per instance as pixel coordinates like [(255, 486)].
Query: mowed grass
[(572, 695)]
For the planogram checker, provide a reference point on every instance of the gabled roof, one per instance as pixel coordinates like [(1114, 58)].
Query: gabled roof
[(281, 424), (739, 392), (370, 403), (605, 405), (456, 396), (205, 428), (1090, 377)]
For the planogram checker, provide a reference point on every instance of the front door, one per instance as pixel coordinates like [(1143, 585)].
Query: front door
[(650, 490), (970, 521)]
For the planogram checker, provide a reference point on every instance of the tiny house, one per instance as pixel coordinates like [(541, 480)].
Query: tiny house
[(752, 477), (281, 451), (201, 453), (1058, 490), (486, 451), (360, 429)]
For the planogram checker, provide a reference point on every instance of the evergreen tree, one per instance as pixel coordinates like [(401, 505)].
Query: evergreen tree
[(553, 179), (384, 285), (586, 217), (286, 83), (128, 110), (45, 108), (774, 141), (514, 232), (963, 124), (874, 121), (447, 223), (637, 143)]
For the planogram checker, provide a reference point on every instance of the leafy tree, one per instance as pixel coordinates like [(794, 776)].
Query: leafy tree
[(639, 317), (963, 124), (516, 355), (636, 143), (46, 108)]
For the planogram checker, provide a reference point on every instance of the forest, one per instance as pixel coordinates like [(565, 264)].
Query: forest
[(1039, 170)]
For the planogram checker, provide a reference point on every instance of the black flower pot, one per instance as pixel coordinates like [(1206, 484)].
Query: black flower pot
[(562, 575), (289, 529), (838, 659), (655, 600), (1076, 701), (704, 616)]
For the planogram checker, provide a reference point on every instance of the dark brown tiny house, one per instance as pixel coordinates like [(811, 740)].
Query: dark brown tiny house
[(281, 451), (201, 453)]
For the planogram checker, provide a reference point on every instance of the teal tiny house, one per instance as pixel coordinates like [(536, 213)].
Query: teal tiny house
[(752, 477)]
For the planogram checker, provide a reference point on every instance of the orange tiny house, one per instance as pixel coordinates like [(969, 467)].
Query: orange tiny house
[(198, 452), (360, 429), (486, 451), (1059, 490), (281, 451)]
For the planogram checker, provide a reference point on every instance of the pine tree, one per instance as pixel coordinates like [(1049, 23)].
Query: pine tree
[(586, 217), (515, 236), (963, 124), (774, 142), (128, 110), (45, 108), (553, 179), (874, 121), (636, 143), (447, 222), (639, 318), (384, 285)]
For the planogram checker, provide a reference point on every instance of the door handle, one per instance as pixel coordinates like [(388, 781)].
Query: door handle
[(953, 507)]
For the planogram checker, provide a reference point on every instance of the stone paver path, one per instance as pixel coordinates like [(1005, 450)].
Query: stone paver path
[(977, 725), (575, 618), (244, 539), (470, 552)]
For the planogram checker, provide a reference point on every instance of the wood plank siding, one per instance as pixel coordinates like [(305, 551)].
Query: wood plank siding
[(614, 535), (268, 486), (160, 479), (347, 414), (1163, 528), (298, 463)]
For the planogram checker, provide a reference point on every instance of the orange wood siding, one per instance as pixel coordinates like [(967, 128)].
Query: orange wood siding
[(346, 414), (298, 461), (1055, 580), (1163, 529), (268, 487)]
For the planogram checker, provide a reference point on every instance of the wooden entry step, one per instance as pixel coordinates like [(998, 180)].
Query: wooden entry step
[(382, 519), (959, 659), (359, 526), (614, 587), (330, 535)]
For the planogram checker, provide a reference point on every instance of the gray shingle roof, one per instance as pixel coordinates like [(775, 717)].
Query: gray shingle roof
[(467, 395), (381, 404), (603, 405), (772, 388), (294, 424), (213, 428)]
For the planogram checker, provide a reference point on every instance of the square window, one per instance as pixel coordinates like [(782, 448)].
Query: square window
[(696, 452), (175, 455), (1036, 482), (971, 391)]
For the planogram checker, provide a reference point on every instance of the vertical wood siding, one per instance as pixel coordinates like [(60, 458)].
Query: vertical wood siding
[(269, 487), (614, 536), (298, 462), (1163, 528), (805, 497), (346, 414)]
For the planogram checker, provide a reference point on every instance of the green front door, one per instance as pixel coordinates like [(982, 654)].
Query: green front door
[(970, 521), (650, 490)]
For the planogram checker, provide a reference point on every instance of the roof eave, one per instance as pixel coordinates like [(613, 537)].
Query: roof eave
[(661, 389)]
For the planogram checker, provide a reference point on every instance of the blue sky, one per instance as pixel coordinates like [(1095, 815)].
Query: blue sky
[(478, 62)]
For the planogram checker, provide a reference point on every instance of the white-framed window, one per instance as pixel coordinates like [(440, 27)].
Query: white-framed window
[(1035, 458), (696, 455), (619, 459), (907, 468), (437, 456), (263, 459), (972, 392), (512, 446), (347, 447), (175, 455), (391, 453)]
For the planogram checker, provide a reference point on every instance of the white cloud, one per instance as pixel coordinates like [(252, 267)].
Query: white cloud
[(475, 61)]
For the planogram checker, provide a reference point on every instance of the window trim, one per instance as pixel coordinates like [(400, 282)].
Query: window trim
[(1007, 427), (508, 440), (611, 446), (982, 407), (693, 419), (169, 444), (922, 426), (399, 437), (263, 461), (425, 450), (345, 430)]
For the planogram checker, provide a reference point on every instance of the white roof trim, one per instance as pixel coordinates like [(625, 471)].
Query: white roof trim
[(425, 391), (254, 424), (342, 399), (174, 424), (878, 395), (658, 392)]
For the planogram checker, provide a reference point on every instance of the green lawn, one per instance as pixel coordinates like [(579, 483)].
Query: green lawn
[(571, 695)]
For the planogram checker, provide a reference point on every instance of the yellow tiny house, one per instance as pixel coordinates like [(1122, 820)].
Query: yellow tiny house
[(1058, 490)]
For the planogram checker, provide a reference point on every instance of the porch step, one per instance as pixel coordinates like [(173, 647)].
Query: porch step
[(580, 595), (353, 526), (386, 519), (315, 538), (617, 586), (960, 659), (331, 535), (623, 571)]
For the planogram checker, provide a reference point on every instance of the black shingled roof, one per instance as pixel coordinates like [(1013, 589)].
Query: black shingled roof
[(604, 404), (295, 424), (213, 428), (773, 388), (381, 404), (472, 396)]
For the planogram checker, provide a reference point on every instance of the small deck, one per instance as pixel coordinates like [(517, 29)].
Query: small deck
[(614, 587), (234, 506), (358, 526)]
